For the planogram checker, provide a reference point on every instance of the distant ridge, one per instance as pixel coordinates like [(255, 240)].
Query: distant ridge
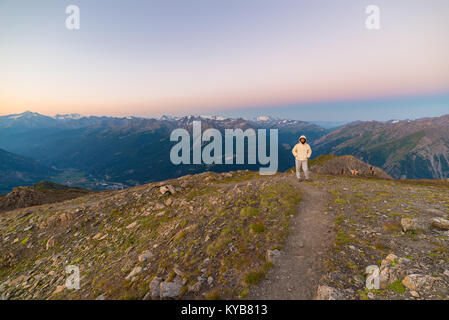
[(40, 193), (16, 170)]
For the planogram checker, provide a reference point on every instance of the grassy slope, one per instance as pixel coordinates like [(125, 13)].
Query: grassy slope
[(232, 219)]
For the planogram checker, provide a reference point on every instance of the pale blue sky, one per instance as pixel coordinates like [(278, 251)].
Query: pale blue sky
[(148, 58)]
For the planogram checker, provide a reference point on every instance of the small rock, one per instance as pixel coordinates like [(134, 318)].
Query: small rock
[(328, 293), (210, 280), (170, 289), (131, 225), (417, 282), (144, 256), (195, 288), (97, 236), (167, 188), (100, 297), (440, 223), (408, 224), (391, 270), (391, 258), (155, 287), (178, 271), (414, 294), (50, 243), (134, 272), (273, 256)]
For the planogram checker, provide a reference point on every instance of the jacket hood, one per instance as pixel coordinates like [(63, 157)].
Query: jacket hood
[(302, 137)]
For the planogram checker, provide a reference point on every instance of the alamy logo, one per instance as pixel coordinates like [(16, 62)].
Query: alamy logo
[(72, 22), (212, 152), (372, 22), (73, 280)]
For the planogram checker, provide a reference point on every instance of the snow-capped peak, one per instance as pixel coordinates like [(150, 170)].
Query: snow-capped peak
[(267, 118), (165, 117), (213, 117), (26, 114), (70, 116), (15, 116)]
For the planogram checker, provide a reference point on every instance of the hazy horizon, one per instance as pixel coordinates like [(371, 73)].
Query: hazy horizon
[(438, 107)]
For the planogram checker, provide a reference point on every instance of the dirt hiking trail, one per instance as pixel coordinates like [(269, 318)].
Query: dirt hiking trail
[(297, 274)]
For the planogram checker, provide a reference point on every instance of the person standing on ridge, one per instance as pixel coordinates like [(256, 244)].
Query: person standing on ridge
[(302, 153)]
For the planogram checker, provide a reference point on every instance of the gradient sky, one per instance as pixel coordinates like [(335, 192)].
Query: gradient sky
[(311, 58)]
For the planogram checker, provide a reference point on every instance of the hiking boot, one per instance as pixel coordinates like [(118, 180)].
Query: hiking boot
[(309, 180), (300, 180)]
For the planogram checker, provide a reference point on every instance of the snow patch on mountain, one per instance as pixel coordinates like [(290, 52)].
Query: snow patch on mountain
[(69, 116)]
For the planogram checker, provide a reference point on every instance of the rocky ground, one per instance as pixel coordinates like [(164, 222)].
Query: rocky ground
[(200, 237), (298, 267), (221, 236), (399, 227)]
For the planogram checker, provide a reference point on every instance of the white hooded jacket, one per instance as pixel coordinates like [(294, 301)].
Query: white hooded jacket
[(302, 151)]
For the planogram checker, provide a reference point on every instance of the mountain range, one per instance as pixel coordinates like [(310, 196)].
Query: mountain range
[(416, 149), (114, 153)]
